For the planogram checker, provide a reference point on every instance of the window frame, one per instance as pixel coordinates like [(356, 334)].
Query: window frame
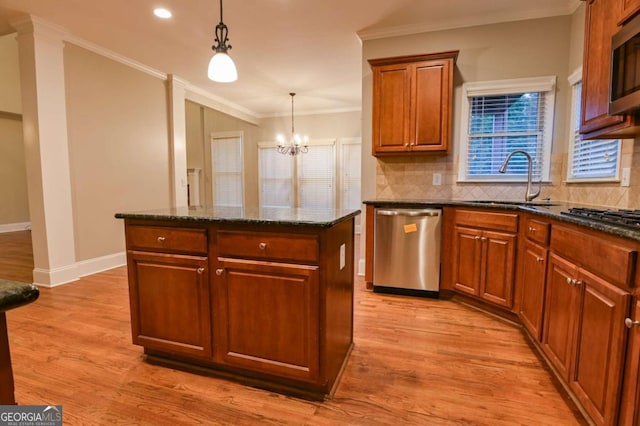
[(546, 84), (227, 135), (574, 79)]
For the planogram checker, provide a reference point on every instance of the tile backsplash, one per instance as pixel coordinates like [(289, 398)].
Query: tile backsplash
[(412, 178)]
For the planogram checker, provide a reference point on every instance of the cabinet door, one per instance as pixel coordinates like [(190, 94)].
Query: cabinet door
[(630, 405), (431, 119), (628, 9), (597, 374), (169, 296), (560, 314), (391, 108), (532, 282), (497, 274), (600, 25), (268, 317), (467, 249)]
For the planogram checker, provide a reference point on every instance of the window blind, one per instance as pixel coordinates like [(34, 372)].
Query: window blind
[(226, 159), (316, 177), (276, 178), (499, 124), (591, 159), (350, 173)]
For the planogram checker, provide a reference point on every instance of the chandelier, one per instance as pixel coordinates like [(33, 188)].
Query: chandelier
[(297, 144), (221, 67)]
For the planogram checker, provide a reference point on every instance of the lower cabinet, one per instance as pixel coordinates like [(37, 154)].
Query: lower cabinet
[(484, 264), (532, 287), (269, 319), (169, 297), (585, 337)]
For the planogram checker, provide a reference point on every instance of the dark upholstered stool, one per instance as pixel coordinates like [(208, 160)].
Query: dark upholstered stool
[(12, 295)]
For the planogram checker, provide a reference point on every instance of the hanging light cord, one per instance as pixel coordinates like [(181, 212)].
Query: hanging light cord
[(293, 132), (222, 35)]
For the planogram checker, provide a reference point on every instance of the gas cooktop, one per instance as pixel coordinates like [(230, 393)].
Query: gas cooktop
[(629, 219)]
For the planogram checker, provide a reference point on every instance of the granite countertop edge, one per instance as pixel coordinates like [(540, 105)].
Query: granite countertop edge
[(330, 220), (552, 210)]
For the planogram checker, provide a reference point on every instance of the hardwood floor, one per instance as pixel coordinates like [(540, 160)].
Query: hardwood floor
[(16, 256), (415, 362)]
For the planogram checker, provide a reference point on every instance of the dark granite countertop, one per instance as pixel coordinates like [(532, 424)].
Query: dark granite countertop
[(14, 294), (549, 209), (322, 218)]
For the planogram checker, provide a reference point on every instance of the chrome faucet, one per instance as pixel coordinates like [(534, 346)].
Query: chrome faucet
[(529, 195)]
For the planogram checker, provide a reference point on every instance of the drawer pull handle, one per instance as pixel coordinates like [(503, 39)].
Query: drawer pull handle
[(631, 323), (262, 246), (161, 239), (200, 270), (219, 271)]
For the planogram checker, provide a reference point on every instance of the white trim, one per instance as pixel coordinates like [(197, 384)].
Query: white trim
[(203, 97), (575, 76), (15, 227), (472, 21), (512, 85), (314, 112), (101, 264), (361, 267), (55, 277)]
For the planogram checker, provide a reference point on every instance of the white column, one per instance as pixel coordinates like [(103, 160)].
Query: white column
[(178, 140), (40, 47)]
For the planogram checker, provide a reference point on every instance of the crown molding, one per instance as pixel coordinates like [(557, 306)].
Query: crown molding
[(203, 97), (471, 21), (312, 112)]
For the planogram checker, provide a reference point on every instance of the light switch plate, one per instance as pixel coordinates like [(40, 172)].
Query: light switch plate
[(626, 176), (437, 179)]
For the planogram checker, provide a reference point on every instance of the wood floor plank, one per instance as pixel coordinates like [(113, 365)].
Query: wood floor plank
[(16, 256), (415, 362)]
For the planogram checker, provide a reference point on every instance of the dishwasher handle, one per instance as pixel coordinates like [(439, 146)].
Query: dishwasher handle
[(412, 213)]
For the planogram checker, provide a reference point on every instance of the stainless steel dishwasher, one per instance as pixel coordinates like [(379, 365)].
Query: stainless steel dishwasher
[(406, 252)]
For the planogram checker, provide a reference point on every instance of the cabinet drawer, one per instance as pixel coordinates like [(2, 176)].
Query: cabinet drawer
[(489, 220), (537, 231), (615, 263), (167, 239), (264, 245)]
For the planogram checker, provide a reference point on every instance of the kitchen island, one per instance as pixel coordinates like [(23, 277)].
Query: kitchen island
[(261, 295)]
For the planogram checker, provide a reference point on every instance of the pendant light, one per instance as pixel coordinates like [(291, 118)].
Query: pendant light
[(221, 67), (296, 144)]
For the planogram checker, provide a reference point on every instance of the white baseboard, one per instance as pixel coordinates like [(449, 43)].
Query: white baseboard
[(361, 267), (13, 227), (55, 277), (100, 264)]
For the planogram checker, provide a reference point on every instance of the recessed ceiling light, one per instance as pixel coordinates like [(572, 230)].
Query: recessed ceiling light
[(163, 13)]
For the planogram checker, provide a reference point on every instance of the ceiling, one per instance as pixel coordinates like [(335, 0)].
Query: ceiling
[(312, 47)]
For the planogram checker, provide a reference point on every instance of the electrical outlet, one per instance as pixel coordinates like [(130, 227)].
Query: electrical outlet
[(437, 179), (626, 176)]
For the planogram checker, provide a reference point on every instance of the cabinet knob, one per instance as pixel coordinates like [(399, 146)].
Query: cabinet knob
[(262, 246), (200, 270), (539, 259), (631, 323), (573, 281), (219, 271), (161, 239), (532, 229), (483, 239), (476, 238)]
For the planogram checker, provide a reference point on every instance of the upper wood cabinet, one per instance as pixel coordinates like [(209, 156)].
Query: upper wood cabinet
[(596, 122), (412, 103), (628, 8)]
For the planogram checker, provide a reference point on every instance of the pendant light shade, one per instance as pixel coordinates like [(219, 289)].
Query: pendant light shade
[(221, 66)]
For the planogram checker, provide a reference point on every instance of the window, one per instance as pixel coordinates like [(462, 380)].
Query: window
[(226, 164), (589, 160), (328, 176), (501, 116)]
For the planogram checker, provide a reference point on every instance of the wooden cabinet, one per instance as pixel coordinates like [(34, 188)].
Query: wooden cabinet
[(271, 303), (532, 280), (584, 325), (270, 320), (412, 103), (628, 9), (169, 292), (601, 23), (484, 255)]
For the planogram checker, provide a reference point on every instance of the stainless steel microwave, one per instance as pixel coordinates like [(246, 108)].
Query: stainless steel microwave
[(624, 94)]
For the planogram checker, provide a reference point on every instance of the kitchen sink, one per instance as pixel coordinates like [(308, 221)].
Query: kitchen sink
[(514, 203)]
